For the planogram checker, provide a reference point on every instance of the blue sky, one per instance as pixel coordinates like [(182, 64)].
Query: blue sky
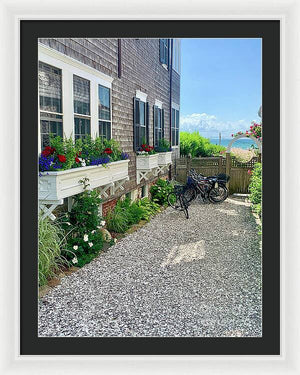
[(221, 85)]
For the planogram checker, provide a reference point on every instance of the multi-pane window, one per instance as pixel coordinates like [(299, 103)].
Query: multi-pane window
[(50, 95), (164, 51), (158, 118), (82, 111), (175, 127), (176, 55), (140, 111), (104, 115)]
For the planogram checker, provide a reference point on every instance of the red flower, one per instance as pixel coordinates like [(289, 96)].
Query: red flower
[(144, 146), (48, 151), (148, 149), (62, 158), (77, 160), (108, 150)]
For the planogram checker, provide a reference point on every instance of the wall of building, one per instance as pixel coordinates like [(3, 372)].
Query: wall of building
[(140, 70)]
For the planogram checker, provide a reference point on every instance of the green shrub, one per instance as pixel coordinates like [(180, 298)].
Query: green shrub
[(135, 214), (117, 220), (51, 238), (81, 225), (255, 189), (148, 207), (124, 215), (159, 192), (127, 213), (195, 145)]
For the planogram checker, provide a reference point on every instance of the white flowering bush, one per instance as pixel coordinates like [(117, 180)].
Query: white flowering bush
[(84, 239)]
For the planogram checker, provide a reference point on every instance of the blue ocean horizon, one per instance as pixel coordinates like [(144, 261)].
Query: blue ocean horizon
[(243, 143)]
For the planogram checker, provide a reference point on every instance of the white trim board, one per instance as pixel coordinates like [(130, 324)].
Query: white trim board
[(176, 106), (158, 103), (141, 95), (77, 66)]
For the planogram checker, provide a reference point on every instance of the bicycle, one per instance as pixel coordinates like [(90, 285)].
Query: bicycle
[(211, 188), (177, 199)]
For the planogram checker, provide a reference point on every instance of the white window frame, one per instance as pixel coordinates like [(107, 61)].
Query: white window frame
[(159, 105), (143, 98), (141, 95), (176, 55), (70, 67), (111, 121), (177, 108)]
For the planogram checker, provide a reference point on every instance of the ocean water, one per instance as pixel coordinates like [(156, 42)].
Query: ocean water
[(240, 143)]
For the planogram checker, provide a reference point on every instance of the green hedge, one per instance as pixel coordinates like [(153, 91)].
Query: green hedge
[(195, 145), (255, 189)]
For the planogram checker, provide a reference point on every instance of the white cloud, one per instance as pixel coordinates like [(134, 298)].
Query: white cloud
[(210, 126)]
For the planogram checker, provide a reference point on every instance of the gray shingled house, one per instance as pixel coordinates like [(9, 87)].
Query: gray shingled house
[(124, 89)]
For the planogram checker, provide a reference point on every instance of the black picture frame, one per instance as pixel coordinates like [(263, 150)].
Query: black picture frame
[(269, 343)]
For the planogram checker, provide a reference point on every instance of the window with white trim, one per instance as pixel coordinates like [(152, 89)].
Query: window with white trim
[(140, 122), (164, 51), (158, 121), (50, 96), (175, 127), (82, 107), (104, 112), (69, 97), (176, 55)]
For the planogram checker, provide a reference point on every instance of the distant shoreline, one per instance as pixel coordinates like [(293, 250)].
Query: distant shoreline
[(243, 143)]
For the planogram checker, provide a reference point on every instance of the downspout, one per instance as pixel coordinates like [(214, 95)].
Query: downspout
[(119, 59), (171, 73)]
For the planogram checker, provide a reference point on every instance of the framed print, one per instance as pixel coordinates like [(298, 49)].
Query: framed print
[(191, 279)]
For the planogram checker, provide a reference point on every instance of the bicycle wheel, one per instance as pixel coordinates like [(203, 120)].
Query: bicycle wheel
[(190, 194), (184, 205), (218, 194), (174, 201)]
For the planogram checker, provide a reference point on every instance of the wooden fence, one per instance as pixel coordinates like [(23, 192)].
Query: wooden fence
[(210, 166)]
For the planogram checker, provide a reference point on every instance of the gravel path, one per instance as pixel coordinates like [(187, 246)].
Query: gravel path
[(173, 277)]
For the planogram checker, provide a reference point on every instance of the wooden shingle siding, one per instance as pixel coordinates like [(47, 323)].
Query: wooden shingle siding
[(140, 70)]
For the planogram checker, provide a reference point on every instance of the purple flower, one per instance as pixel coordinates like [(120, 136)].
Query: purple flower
[(101, 160), (45, 163), (124, 156)]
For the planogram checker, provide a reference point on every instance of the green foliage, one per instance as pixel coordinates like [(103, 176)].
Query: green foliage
[(255, 189), (51, 238), (81, 249), (163, 146), (64, 146), (82, 224), (159, 192), (195, 145), (124, 215), (117, 220), (127, 213), (149, 208), (66, 154)]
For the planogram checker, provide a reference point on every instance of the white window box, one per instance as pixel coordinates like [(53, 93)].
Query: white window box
[(54, 186), (146, 162), (165, 158)]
